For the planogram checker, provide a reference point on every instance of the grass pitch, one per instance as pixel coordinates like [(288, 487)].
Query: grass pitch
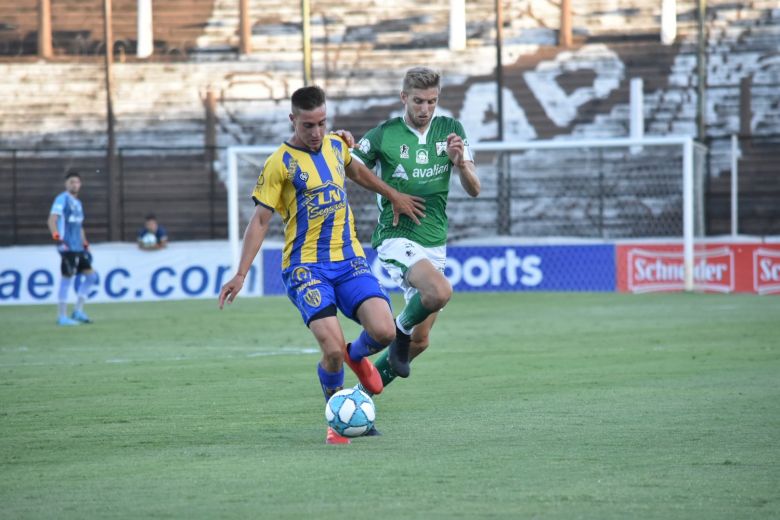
[(526, 406)]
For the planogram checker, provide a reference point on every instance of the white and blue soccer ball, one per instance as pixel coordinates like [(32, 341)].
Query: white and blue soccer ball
[(350, 412), (149, 239)]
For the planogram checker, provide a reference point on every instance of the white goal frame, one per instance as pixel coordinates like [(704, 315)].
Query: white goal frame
[(686, 142)]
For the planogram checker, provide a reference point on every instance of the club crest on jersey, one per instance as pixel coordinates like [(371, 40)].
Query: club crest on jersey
[(303, 176), (421, 157), (312, 298), (404, 151), (441, 148)]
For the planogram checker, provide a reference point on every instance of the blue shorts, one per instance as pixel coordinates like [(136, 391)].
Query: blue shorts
[(346, 284)]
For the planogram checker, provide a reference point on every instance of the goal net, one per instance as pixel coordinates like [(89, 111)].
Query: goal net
[(558, 190)]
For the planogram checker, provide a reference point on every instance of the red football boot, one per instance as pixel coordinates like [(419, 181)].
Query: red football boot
[(366, 373), (334, 438)]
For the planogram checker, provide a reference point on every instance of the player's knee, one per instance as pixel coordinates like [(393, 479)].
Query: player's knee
[(437, 297), (385, 333), (332, 359)]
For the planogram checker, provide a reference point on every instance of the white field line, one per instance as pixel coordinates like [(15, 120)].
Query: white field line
[(284, 351)]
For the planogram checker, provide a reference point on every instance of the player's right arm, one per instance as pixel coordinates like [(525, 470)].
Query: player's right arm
[(52, 223), (54, 229), (255, 233)]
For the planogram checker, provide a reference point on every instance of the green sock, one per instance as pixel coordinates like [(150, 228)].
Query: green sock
[(382, 364), (413, 313)]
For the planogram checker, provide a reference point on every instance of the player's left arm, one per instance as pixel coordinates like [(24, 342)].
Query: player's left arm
[(84, 239), (461, 158), (403, 204)]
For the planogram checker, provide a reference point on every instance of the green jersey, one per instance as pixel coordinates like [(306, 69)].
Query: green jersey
[(416, 164)]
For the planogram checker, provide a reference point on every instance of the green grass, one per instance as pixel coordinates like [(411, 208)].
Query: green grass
[(526, 406)]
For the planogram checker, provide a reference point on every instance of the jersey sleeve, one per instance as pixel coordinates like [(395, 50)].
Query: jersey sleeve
[(58, 207), (368, 148), (467, 154), (340, 148), (268, 190), (347, 155)]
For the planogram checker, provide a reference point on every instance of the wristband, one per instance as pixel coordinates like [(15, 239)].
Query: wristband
[(56, 236)]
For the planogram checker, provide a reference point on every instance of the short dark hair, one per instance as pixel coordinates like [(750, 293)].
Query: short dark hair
[(72, 173), (307, 98), (150, 216)]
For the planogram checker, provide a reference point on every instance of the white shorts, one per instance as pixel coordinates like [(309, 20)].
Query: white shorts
[(398, 255)]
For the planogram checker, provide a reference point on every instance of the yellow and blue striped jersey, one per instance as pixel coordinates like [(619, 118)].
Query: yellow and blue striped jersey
[(307, 189)]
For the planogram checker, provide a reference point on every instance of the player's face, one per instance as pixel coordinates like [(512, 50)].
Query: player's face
[(73, 185), (309, 127), (420, 105)]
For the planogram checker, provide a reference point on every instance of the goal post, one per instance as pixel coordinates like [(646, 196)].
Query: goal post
[(255, 156), (692, 178), (603, 189)]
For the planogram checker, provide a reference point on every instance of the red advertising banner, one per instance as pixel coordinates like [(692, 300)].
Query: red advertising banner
[(718, 267)]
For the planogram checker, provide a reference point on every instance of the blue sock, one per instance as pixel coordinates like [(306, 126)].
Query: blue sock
[(364, 346), (331, 382)]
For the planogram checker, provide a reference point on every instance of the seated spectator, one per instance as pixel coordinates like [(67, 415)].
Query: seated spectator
[(152, 236)]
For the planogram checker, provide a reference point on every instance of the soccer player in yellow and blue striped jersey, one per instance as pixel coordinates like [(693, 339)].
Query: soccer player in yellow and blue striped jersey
[(323, 264), (307, 190)]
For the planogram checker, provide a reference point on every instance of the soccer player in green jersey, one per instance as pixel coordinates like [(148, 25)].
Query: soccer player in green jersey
[(416, 154)]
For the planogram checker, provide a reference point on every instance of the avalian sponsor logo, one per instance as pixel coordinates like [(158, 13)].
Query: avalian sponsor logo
[(650, 271), (766, 271)]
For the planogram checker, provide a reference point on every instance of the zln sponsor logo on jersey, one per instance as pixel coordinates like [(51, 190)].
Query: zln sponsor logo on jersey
[(325, 199), (766, 271), (421, 157), (650, 271)]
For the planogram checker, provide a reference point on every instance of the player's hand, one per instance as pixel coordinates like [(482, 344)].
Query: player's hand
[(455, 148), (347, 136), (410, 205), (230, 290), (58, 240), (86, 245)]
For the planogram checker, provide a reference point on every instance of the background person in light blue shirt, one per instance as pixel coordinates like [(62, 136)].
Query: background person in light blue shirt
[(66, 220)]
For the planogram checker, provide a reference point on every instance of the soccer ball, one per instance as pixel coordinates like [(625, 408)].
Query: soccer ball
[(350, 412), (149, 240)]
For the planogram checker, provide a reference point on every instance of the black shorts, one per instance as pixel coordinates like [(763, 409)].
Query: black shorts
[(75, 262)]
